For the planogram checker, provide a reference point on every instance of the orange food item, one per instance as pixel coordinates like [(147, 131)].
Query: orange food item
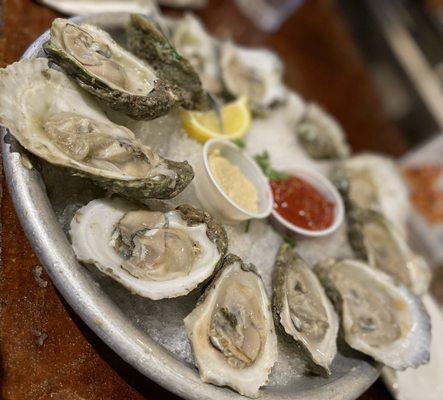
[(425, 194)]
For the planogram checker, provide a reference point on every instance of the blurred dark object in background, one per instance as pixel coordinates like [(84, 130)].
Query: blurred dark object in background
[(435, 7), (402, 41)]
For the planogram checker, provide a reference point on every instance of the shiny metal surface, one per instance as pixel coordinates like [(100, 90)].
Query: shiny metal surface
[(136, 328)]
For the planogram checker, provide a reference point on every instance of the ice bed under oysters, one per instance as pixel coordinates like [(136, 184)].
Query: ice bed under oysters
[(256, 308)]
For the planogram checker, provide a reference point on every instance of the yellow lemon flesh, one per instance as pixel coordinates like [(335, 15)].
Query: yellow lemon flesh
[(203, 126)]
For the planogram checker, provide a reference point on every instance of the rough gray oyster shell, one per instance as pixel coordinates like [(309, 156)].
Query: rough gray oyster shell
[(153, 254), (106, 70), (232, 330), (304, 311), (375, 240), (378, 317), (46, 112), (147, 42), (320, 135)]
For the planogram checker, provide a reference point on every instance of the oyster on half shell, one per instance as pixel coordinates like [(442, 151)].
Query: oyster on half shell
[(153, 254), (106, 70), (45, 111), (255, 73), (320, 135), (374, 182), (147, 42), (379, 318), (375, 240), (232, 331), (201, 50), (304, 311)]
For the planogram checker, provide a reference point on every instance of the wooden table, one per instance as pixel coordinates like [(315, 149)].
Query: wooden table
[(46, 352)]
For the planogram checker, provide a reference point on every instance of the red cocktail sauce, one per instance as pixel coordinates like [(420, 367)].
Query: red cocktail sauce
[(302, 204)]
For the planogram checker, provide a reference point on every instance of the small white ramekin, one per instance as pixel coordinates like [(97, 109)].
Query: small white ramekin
[(212, 196), (327, 189)]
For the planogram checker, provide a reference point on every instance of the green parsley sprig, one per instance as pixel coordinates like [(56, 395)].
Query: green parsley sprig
[(264, 161), (290, 242), (239, 143)]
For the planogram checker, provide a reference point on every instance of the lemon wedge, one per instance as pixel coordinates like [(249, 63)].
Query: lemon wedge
[(203, 126)]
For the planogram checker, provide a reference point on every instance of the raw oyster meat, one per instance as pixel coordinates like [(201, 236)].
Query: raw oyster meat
[(256, 73), (320, 135), (379, 318), (232, 331), (153, 254), (376, 241), (45, 111), (374, 182), (304, 311), (147, 42), (193, 42), (109, 72)]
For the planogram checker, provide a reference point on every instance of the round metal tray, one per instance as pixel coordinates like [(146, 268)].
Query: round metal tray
[(145, 333)]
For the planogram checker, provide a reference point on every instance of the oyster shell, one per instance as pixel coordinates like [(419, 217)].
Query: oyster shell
[(374, 182), (232, 331), (302, 308), (320, 135), (82, 7), (201, 50), (147, 42), (379, 318), (45, 111), (153, 254), (256, 73), (375, 240), (184, 3), (109, 72)]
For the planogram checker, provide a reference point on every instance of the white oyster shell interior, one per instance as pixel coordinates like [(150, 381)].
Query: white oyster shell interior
[(93, 235), (193, 42), (375, 183), (232, 332), (82, 7), (308, 315), (380, 318), (256, 73)]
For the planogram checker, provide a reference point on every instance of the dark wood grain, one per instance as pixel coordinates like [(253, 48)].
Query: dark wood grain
[(46, 352)]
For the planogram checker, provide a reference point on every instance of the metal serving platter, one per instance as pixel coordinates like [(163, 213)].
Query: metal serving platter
[(147, 334)]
